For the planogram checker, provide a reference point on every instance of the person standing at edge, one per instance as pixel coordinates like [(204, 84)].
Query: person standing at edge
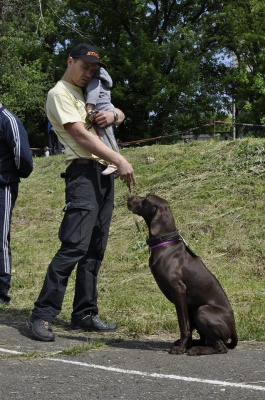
[(89, 199), (15, 162)]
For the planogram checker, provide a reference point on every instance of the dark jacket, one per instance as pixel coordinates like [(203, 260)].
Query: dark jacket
[(15, 154)]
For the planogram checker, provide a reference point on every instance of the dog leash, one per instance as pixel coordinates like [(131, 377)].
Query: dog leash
[(134, 216), (136, 222)]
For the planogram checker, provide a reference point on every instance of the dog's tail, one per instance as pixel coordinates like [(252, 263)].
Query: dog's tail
[(233, 341)]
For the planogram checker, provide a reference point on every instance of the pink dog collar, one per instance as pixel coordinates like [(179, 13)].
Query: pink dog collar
[(163, 244)]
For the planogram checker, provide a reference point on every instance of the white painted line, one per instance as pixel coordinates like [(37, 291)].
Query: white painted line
[(160, 376), (9, 351), (149, 375)]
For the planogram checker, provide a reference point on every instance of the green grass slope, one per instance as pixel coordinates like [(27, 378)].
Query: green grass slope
[(216, 192)]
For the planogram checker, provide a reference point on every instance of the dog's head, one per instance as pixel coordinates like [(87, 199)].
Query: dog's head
[(155, 210), (147, 206)]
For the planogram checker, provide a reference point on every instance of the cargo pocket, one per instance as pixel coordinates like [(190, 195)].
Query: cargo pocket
[(75, 224)]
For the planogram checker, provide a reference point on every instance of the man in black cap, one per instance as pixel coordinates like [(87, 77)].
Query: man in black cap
[(89, 199)]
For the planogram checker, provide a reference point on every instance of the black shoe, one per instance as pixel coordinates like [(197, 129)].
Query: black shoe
[(41, 330), (92, 323)]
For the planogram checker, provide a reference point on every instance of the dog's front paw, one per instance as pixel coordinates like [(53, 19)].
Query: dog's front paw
[(176, 349), (181, 346)]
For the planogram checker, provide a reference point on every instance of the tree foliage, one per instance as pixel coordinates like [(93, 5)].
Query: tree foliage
[(168, 59)]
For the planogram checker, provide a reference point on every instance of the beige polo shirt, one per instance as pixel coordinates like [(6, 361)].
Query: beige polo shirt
[(65, 104)]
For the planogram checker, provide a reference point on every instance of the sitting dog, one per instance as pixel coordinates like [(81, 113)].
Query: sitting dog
[(199, 299)]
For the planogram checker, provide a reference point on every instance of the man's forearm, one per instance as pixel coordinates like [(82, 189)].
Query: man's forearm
[(90, 142)]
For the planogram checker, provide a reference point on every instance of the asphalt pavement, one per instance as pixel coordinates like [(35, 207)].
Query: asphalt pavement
[(123, 369)]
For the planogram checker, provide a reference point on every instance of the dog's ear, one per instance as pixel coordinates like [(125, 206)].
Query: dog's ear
[(149, 207), (162, 220), (162, 209)]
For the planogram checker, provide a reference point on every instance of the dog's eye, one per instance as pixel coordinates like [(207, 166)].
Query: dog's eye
[(146, 204)]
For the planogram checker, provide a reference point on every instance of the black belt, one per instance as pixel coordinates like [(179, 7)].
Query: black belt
[(88, 161)]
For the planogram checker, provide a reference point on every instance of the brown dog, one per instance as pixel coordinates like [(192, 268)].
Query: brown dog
[(199, 299)]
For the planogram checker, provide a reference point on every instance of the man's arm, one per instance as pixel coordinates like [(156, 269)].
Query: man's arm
[(17, 139), (95, 146)]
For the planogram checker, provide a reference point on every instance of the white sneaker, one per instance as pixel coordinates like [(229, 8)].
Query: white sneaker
[(109, 170)]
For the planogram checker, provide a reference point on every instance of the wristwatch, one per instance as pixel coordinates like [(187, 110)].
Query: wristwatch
[(116, 116)]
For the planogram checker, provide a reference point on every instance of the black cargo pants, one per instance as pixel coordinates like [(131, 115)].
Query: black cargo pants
[(83, 234)]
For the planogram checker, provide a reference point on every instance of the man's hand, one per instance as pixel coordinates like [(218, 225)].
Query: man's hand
[(126, 172), (104, 118)]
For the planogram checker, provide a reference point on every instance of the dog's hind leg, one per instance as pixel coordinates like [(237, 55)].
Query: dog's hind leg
[(212, 325)]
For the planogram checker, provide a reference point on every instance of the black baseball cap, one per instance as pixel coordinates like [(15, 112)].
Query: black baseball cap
[(88, 53)]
